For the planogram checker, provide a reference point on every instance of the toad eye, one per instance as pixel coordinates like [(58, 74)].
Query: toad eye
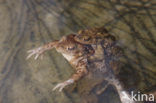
[(71, 48), (79, 37), (87, 38)]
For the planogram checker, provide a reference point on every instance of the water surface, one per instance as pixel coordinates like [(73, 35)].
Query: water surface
[(26, 24)]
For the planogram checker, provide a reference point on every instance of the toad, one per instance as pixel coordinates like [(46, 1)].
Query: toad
[(75, 52), (78, 49), (88, 49)]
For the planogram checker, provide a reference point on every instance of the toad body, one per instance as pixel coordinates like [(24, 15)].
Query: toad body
[(77, 48)]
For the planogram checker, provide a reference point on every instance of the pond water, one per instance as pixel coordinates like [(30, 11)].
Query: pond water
[(27, 24)]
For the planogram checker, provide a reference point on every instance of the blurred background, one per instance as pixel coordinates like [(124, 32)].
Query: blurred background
[(27, 24)]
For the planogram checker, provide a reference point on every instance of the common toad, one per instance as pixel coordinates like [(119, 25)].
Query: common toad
[(75, 52), (94, 48), (80, 49)]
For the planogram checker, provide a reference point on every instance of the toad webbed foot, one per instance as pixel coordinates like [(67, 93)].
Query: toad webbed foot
[(62, 85), (37, 52)]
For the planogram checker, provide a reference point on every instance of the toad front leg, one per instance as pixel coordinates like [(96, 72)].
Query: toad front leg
[(39, 51), (81, 70)]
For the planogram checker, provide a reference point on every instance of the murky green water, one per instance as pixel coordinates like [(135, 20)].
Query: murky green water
[(26, 24)]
